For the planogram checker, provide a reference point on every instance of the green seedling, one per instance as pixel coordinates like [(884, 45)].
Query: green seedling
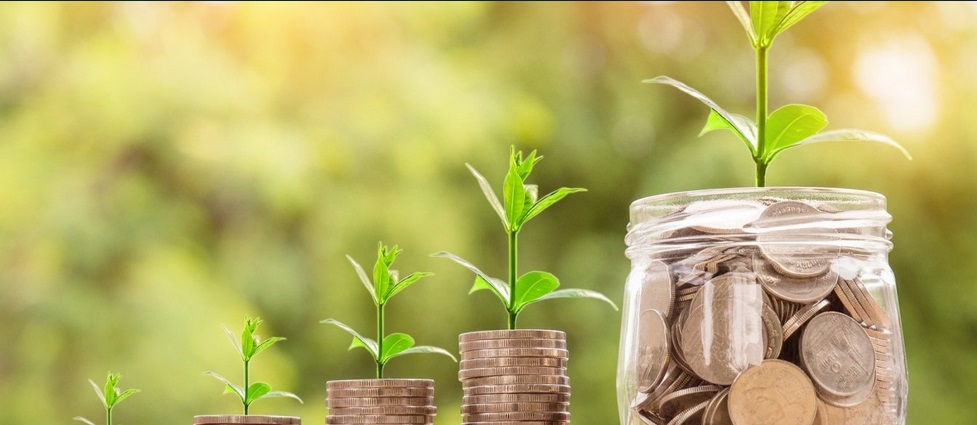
[(248, 347), (521, 204), (790, 125), (110, 397), (386, 283)]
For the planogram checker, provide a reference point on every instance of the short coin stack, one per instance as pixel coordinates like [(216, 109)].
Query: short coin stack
[(513, 377), (381, 401)]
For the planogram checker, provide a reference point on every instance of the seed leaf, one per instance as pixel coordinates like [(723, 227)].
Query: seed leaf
[(717, 122), (405, 282), (532, 286), (490, 195), (495, 285), (230, 387), (394, 344), (81, 419), (848, 135), (282, 394), (363, 278), (548, 200), (798, 12), (736, 125), (576, 293), (790, 124), (358, 340), (744, 17), (256, 391), (426, 349)]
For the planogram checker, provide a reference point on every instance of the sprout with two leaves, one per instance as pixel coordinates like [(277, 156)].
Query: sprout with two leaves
[(386, 283), (110, 397), (521, 204), (248, 347), (790, 125)]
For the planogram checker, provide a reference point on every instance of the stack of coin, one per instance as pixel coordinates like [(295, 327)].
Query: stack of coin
[(762, 314), (512, 377), (380, 401), (245, 419)]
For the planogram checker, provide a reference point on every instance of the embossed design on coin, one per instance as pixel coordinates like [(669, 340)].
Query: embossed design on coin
[(723, 334), (654, 349), (838, 355), (774, 392), (803, 290)]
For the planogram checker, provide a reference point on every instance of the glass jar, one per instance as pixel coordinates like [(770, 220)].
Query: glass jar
[(761, 306)]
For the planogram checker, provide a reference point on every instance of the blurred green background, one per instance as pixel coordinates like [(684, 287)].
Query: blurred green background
[(168, 168)]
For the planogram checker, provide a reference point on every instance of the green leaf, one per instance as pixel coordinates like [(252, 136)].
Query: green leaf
[(110, 394), (394, 344), (548, 200), (363, 278), (717, 122), (576, 293), (495, 285), (234, 341), (405, 282), (256, 391), (524, 166), (744, 17), (125, 394), (847, 135), (230, 387), (426, 349), (533, 285), (490, 195), (798, 12), (283, 394), (98, 392), (247, 336), (264, 345), (514, 195), (381, 270), (358, 340), (737, 126), (790, 124), (81, 419), (766, 17)]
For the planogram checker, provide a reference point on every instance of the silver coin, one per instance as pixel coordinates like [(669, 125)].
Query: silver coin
[(838, 356), (653, 349)]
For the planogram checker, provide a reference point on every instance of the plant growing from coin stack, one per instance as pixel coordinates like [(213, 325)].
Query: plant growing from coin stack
[(110, 396), (248, 347), (521, 204), (386, 283)]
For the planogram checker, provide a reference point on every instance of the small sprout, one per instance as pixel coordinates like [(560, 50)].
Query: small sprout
[(248, 347), (521, 204), (386, 283), (110, 397), (790, 125)]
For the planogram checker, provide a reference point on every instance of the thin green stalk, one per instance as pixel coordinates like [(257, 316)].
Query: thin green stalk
[(246, 386), (761, 112), (513, 273), (380, 340), (108, 415)]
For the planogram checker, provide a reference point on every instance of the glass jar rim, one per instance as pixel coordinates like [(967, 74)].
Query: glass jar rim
[(807, 192)]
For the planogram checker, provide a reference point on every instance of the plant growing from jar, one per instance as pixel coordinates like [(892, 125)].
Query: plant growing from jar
[(111, 396), (790, 125), (385, 285), (520, 204)]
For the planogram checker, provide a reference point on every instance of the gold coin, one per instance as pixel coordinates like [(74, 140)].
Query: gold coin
[(838, 355), (511, 334), (868, 412), (245, 419), (487, 344), (774, 392)]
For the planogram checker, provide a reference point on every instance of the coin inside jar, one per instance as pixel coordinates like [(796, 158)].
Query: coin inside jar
[(839, 356), (653, 349), (774, 392)]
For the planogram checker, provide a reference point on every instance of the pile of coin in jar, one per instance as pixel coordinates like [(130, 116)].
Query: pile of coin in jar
[(512, 377), (769, 323)]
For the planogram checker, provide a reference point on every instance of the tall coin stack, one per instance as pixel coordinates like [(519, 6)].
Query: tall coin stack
[(381, 401), (515, 376)]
